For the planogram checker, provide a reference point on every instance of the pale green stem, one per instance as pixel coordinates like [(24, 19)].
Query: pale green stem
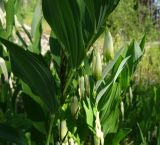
[(69, 80), (50, 129)]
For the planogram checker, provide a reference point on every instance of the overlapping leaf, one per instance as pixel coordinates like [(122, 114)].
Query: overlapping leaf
[(95, 18), (64, 19), (31, 70), (109, 108), (77, 24)]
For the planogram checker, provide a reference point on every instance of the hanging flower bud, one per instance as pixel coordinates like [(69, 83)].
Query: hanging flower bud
[(2, 18), (122, 110), (71, 141), (108, 50), (98, 139), (130, 94), (97, 66), (87, 85), (28, 137), (58, 143), (81, 87), (74, 106), (64, 129)]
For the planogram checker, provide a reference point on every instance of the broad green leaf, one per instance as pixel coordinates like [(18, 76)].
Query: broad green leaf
[(26, 89), (55, 49), (110, 124), (108, 107), (64, 19), (31, 69), (109, 98), (77, 24), (120, 68), (120, 135), (8, 133), (116, 138), (38, 114), (102, 92)]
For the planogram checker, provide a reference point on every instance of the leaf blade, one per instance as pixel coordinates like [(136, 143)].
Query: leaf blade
[(31, 70)]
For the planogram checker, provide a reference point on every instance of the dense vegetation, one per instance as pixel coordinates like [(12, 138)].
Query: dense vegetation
[(95, 85)]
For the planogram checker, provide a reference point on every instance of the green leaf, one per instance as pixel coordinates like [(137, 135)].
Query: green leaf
[(77, 24), (108, 106), (38, 114), (142, 43), (120, 135), (112, 94), (134, 50), (2, 116), (89, 113), (95, 17), (10, 134), (19, 121), (4, 93), (26, 89), (142, 136), (40, 126), (102, 92), (108, 68), (120, 68), (124, 78), (55, 49), (110, 124), (31, 69), (64, 19), (9, 7), (36, 28)]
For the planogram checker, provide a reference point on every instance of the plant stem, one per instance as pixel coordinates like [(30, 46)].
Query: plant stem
[(69, 80), (50, 129)]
